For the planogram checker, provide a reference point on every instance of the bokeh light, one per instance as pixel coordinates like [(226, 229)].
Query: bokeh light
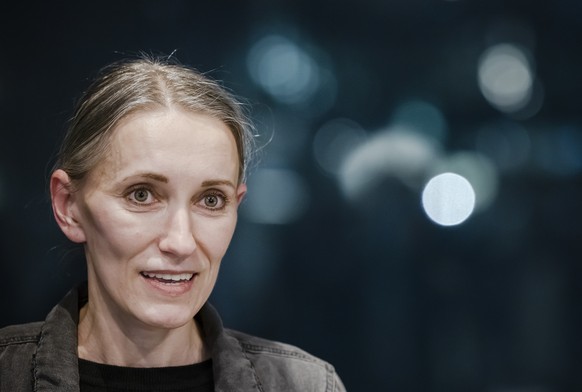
[(506, 78), (448, 199), (283, 69), (477, 169), (399, 153), (334, 141), (275, 196), (423, 117)]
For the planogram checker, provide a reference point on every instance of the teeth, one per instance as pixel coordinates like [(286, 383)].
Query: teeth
[(172, 277)]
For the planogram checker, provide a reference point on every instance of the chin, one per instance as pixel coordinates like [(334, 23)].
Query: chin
[(168, 316)]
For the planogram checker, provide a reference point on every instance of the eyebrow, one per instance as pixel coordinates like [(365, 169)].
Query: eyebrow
[(152, 176), (164, 179), (217, 182)]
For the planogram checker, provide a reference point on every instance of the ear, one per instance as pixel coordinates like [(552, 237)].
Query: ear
[(65, 208), (240, 193)]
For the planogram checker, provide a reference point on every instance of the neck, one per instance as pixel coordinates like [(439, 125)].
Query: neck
[(137, 345)]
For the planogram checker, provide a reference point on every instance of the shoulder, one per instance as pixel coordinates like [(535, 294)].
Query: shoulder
[(22, 334), (18, 345), (252, 344), (281, 366)]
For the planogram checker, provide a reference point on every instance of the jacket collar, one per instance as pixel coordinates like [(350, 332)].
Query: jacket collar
[(233, 371), (56, 358), (56, 361)]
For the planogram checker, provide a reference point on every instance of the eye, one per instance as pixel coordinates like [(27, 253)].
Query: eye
[(141, 196), (211, 201), (214, 201)]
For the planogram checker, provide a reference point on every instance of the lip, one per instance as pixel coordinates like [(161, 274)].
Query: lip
[(154, 279)]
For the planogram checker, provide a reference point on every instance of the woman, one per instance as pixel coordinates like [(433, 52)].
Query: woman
[(149, 178)]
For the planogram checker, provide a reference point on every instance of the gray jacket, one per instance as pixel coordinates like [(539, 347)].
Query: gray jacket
[(42, 356)]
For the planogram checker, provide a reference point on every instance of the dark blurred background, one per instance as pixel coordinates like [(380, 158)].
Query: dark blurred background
[(351, 244)]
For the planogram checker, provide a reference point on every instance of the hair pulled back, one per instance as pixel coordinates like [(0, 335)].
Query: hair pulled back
[(146, 83)]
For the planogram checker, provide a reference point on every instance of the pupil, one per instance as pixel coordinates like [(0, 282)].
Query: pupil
[(141, 195), (211, 201)]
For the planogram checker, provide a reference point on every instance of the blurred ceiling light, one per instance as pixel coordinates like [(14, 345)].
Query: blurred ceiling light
[(283, 69), (423, 117), (478, 170), (334, 141), (276, 196), (448, 199), (505, 77), (399, 153)]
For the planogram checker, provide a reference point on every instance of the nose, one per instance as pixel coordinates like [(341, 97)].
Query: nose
[(177, 237)]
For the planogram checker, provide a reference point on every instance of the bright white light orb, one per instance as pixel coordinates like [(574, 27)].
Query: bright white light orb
[(448, 199), (475, 168)]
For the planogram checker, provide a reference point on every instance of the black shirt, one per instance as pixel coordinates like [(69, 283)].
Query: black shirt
[(97, 377)]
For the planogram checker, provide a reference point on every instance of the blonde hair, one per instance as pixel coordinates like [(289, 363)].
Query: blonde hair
[(128, 86)]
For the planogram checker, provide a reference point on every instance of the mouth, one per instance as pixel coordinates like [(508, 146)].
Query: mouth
[(168, 278)]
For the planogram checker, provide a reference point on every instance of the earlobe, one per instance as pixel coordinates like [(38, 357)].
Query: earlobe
[(64, 206)]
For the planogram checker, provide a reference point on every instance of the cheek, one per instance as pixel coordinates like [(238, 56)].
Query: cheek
[(117, 234), (214, 237)]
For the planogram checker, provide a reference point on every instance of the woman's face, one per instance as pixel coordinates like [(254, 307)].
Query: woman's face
[(157, 216)]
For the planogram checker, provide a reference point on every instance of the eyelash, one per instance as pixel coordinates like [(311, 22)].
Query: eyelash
[(223, 199)]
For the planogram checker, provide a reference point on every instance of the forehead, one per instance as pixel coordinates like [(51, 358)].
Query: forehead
[(171, 140), (171, 126)]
